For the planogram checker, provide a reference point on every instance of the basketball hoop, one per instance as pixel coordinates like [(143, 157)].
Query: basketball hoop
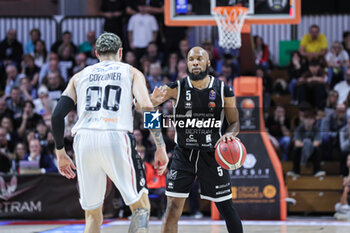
[(230, 20)]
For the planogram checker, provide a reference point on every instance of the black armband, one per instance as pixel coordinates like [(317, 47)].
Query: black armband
[(228, 92), (63, 107), (172, 85)]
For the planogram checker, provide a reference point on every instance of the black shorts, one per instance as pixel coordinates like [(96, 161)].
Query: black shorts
[(186, 164)]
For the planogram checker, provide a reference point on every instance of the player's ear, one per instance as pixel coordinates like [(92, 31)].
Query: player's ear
[(98, 57), (208, 63), (120, 53)]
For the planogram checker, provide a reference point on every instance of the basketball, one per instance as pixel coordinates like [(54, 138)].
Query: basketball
[(230, 155)]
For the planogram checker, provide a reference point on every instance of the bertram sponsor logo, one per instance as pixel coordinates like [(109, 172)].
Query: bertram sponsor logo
[(8, 190)]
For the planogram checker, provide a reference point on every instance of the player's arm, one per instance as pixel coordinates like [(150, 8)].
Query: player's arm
[(164, 93), (232, 116), (64, 106), (141, 94)]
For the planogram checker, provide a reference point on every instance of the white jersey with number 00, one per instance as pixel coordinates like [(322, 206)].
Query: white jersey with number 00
[(104, 97)]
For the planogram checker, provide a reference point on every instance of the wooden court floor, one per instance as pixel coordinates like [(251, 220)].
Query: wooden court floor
[(191, 226)]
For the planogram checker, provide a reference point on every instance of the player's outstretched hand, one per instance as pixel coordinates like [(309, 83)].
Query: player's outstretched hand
[(65, 164), (161, 160), (226, 137), (158, 94)]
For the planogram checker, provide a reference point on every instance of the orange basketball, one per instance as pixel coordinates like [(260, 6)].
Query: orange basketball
[(230, 155)]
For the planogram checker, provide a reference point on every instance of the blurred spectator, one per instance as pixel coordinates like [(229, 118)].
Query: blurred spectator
[(214, 56), (86, 46), (278, 126), (184, 47), (91, 57), (311, 85), (80, 63), (314, 44), (229, 59), (41, 134), (30, 135), (330, 127), (142, 29), (11, 136), (69, 122), (15, 102), (55, 84), (130, 58), (53, 65), (181, 69), (342, 208), (261, 53), (267, 87), (337, 61), (170, 68), (347, 105), (30, 70), (40, 53), (344, 138), (5, 145), (66, 56), (35, 35), (297, 66), (5, 163), (28, 91), (346, 42), (113, 10), (20, 152), (343, 87), (227, 71), (5, 153), (12, 78), (331, 102), (307, 140), (155, 79), (46, 162), (11, 50), (4, 110), (66, 40), (154, 54), (28, 120), (44, 106), (145, 65)]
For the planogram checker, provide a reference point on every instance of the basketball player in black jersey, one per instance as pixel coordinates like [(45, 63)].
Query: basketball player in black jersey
[(200, 104)]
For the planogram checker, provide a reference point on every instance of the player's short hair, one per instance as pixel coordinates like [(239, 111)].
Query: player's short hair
[(108, 43)]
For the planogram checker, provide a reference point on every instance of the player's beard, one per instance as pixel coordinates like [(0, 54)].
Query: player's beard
[(199, 76)]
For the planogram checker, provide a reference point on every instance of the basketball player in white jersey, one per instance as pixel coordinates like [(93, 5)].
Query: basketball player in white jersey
[(103, 143)]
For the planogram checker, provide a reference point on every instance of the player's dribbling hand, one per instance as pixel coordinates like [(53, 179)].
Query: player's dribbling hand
[(158, 94), (65, 164), (226, 137), (161, 160)]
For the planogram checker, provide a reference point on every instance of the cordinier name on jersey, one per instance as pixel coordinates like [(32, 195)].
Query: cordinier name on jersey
[(105, 77), (193, 123)]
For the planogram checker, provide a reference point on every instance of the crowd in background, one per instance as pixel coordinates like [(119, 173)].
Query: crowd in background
[(32, 80)]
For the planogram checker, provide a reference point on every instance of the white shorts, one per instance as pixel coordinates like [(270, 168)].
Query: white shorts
[(111, 153)]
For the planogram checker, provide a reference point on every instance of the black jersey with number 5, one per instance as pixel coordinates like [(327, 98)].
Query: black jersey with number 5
[(199, 113)]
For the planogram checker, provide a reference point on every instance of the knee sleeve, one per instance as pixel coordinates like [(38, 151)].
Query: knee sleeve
[(230, 215)]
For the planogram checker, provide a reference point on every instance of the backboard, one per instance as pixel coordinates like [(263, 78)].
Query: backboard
[(199, 12)]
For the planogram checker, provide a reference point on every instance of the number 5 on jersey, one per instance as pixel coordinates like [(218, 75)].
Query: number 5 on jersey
[(110, 100)]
